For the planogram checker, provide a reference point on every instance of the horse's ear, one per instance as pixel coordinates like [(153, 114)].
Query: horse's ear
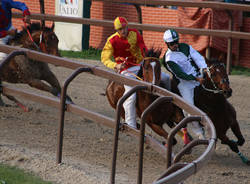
[(222, 57), (43, 25), (158, 53), (53, 26)]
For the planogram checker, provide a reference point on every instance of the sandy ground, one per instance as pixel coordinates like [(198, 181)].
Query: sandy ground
[(28, 140)]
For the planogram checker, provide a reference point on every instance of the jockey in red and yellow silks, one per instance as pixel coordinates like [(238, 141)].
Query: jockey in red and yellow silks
[(127, 48), (132, 47)]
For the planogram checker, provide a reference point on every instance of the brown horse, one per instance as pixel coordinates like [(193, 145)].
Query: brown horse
[(211, 98), (165, 113), (23, 70)]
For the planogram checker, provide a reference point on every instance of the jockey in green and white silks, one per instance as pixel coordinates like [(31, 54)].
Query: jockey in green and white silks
[(185, 64)]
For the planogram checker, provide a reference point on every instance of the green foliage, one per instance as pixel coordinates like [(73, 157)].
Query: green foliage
[(95, 54), (91, 53), (13, 175), (238, 70)]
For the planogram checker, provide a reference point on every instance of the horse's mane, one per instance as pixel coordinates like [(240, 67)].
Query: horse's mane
[(152, 52), (213, 61)]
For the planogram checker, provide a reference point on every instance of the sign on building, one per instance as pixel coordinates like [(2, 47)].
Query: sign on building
[(68, 8), (70, 35)]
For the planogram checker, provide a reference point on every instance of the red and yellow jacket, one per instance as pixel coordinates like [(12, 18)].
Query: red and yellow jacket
[(132, 48)]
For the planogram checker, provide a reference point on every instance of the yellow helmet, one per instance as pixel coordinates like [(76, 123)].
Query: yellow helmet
[(120, 22)]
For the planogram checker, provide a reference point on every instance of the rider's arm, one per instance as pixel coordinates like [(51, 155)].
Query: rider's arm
[(107, 54), (197, 58), (176, 70), (20, 6)]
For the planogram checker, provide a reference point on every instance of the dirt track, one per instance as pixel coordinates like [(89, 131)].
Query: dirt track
[(28, 140)]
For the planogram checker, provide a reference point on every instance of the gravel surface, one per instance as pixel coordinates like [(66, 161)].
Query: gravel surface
[(29, 139)]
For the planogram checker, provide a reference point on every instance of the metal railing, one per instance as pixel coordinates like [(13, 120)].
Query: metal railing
[(176, 172)]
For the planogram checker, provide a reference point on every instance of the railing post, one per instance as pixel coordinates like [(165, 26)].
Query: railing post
[(229, 43)]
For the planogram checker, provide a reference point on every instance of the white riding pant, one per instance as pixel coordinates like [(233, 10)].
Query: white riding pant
[(4, 41), (129, 104), (166, 81), (186, 89)]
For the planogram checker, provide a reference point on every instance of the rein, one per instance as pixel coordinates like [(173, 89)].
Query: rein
[(34, 43), (146, 58), (215, 90)]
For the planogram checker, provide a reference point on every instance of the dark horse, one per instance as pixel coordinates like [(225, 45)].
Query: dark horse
[(211, 98), (23, 70), (165, 113)]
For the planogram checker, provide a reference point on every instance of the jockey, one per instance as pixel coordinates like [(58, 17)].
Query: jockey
[(185, 64), (6, 28), (128, 49)]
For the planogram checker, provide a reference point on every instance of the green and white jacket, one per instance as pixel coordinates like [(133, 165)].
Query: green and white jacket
[(184, 64)]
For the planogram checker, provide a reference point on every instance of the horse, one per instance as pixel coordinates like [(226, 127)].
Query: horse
[(211, 97), (166, 112), (20, 69)]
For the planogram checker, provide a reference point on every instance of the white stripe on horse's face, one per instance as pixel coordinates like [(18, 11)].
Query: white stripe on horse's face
[(153, 64)]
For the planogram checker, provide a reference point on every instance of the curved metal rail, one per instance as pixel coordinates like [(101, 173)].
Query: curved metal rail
[(176, 172)]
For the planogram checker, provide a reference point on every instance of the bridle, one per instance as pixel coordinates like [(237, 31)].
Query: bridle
[(216, 90), (30, 36), (154, 59)]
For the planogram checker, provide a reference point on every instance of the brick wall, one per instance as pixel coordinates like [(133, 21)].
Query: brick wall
[(151, 15), (34, 7)]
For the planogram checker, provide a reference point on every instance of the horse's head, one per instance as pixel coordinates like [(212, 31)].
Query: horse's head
[(151, 67), (38, 37), (46, 40), (217, 79)]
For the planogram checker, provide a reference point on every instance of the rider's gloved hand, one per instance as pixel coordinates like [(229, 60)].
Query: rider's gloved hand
[(120, 59), (200, 80), (119, 67)]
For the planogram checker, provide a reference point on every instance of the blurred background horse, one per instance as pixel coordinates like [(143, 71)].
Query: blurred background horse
[(23, 70)]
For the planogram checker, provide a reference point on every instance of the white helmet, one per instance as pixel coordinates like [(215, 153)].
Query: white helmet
[(170, 36)]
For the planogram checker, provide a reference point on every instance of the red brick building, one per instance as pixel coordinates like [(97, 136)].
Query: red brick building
[(150, 15)]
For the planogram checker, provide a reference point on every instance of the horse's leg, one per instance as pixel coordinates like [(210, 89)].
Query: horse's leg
[(56, 88), (26, 109), (35, 83), (160, 131), (236, 130), (235, 125), (178, 116), (234, 147)]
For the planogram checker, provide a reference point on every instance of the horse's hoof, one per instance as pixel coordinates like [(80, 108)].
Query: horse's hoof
[(5, 105), (174, 141), (69, 100), (241, 142), (166, 145), (138, 126), (248, 163)]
